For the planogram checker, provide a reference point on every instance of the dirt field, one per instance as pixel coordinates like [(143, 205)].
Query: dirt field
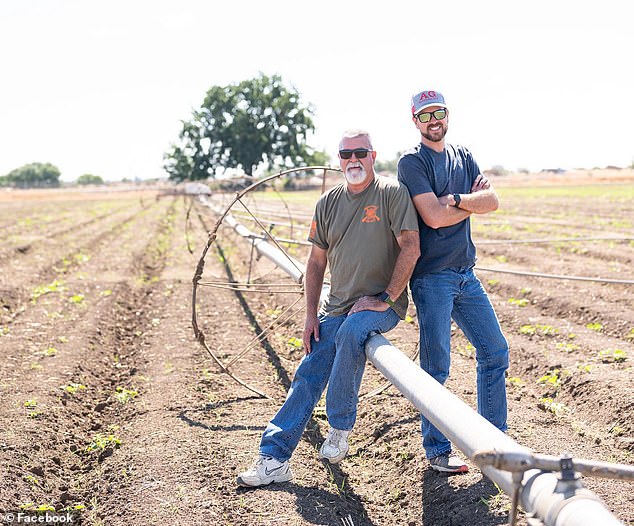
[(111, 407)]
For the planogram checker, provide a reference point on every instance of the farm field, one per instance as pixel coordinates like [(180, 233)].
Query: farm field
[(109, 405)]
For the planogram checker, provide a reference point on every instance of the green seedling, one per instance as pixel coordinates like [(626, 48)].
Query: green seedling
[(594, 327), (123, 395), (552, 379), (40, 290), (546, 330), (493, 282), (296, 343), (81, 258), (31, 506), (273, 313), (409, 319), (515, 381), (77, 299), (526, 290), (557, 408), (72, 388), (522, 302), (501, 258), (629, 335), (32, 480), (4, 330), (50, 351), (62, 339), (568, 347), (585, 367), (30, 404), (100, 442), (613, 355), (616, 430), (105, 293)]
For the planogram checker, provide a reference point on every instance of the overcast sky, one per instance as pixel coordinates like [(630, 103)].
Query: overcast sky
[(102, 87)]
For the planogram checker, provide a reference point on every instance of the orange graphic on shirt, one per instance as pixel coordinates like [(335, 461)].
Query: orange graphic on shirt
[(313, 229), (370, 214)]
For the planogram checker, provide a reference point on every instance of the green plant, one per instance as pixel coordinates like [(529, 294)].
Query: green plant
[(123, 395), (522, 302), (613, 355), (568, 347), (40, 290), (295, 342), (72, 388), (557, 408), (594, 327), (515, 381), (77, 299), (584, 368), (553, 378), (100, 442), (49, 351)]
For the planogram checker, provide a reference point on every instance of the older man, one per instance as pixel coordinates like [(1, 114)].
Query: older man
[(366, 230), (447, 187)]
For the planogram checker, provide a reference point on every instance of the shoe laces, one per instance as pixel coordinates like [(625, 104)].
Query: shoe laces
[(335, 435)]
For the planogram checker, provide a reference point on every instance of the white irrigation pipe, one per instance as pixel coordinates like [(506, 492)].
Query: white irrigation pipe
[(556, 276), (541, 493)]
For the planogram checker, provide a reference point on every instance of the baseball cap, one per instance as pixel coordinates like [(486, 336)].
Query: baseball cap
[(425, 99)]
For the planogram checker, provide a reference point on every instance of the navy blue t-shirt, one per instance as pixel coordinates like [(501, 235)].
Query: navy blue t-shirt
[(452, 171)]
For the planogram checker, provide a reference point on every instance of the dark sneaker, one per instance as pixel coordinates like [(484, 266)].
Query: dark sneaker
[(265, 470), (447, 463), (335, 447)]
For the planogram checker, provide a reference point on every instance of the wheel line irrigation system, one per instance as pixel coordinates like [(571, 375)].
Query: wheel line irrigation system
[(549, 489)]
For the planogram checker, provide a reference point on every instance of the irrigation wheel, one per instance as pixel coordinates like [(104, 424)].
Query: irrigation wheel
[(259, 242)]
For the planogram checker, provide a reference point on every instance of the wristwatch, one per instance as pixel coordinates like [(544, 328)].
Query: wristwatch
[(384, 296), (457, 199)]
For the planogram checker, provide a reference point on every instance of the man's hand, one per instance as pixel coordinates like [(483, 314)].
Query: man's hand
[(311, 329), (481, 183), (368, 303)]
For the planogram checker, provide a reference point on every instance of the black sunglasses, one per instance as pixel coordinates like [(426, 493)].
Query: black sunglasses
[(359, 153), (425, 116)]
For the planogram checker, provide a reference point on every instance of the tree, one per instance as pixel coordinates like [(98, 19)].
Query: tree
[(240, 126), (89, 179), (34, 175)]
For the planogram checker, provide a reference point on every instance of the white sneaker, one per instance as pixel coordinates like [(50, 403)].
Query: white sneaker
[(264, 471), (335, 447)]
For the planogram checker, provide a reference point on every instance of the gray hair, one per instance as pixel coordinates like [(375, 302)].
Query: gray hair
[(350, 134)]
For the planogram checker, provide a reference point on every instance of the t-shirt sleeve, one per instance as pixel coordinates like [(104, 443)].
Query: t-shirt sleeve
[(317, 234), (472, 166), (401, 211), (411, 172)]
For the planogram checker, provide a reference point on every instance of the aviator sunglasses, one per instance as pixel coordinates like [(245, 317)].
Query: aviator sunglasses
[(359, 153), (425, 116)]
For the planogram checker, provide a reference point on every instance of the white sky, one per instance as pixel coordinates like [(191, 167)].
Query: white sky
[(101, 87)]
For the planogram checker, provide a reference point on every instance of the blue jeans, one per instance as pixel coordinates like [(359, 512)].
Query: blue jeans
[(457, 293), (338, 358)]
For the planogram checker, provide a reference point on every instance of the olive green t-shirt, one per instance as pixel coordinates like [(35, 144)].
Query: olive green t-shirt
[(359, 232)]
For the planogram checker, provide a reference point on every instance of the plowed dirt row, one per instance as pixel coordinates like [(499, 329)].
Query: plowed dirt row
[(157, 433)]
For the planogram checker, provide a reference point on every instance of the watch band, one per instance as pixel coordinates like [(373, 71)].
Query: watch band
[(384, 296), (457, 199)]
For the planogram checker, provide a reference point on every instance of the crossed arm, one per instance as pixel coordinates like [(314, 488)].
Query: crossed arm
[(441, 211)]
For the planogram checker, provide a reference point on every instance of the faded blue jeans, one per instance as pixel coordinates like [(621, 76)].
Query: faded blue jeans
[(337, 359), (456, 293)]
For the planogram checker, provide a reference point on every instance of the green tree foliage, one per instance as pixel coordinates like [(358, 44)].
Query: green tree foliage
[(240, 126), (89, 179), (34, 175)]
